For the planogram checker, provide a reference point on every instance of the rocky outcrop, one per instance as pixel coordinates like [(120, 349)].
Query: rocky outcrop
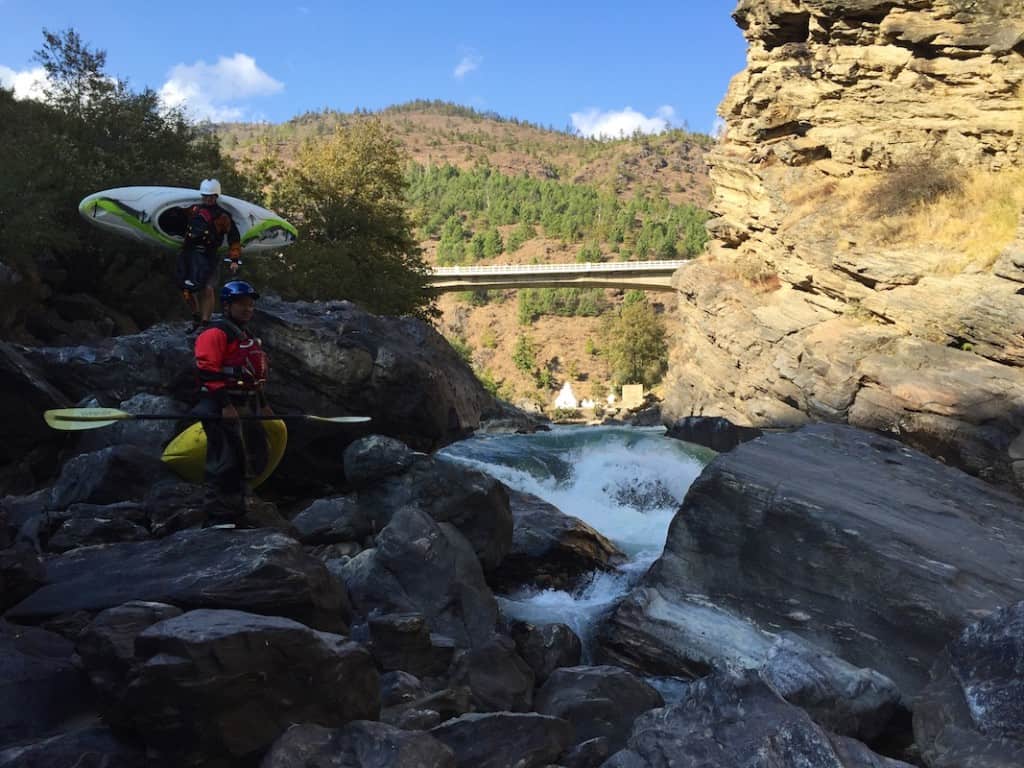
[(795, 315), (847, 539)]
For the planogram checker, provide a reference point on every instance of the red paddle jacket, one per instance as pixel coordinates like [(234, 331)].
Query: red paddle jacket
[(230, 361)]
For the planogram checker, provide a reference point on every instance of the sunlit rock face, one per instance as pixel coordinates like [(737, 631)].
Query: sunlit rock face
[(801, 310)]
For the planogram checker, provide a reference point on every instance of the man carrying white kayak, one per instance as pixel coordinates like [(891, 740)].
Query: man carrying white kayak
[(198, 267), (232, 369)]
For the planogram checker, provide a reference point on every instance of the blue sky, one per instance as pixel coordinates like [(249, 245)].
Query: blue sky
[(599, 66)]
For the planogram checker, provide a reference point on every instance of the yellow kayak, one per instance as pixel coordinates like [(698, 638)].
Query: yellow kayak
[(186, 454)]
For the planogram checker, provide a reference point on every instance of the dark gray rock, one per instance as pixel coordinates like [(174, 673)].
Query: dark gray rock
[(712, 432), (422, 566), (107, 649), (588, 754), (375, 457), (546, 647), (107, 476), (173, 506), (30, 448), (259, 571), (809, 531), (598, 701), (212, 684), (725, 721), (21, 574), (86, 531), (472, 501), (688, 637), (971, 714), (550, 550), (334, 520), (90, 747), (427, 711), (360, 744), (40, 685), (504, 739), (403, 641), (499, 679), (17, 510), (399, 687)]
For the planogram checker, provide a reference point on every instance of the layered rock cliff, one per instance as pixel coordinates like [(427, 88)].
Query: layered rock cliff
[(801, 311)]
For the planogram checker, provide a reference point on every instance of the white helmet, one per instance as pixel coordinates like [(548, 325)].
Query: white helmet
[(209, 187)]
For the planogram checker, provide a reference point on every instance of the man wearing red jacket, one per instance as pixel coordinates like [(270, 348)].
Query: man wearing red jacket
[(198, 269), (232, 370)]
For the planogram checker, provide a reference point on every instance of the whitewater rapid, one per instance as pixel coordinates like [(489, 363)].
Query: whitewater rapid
[(627, 482)]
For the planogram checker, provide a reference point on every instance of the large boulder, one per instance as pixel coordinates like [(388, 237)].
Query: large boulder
[(257, 571), (725, 721), (971, 714), (550, 549), (212, 684), (808, 532), (40, 684), (712, 432), (497, 677), (505, 739), (109, 475), (359, 744), (546, 647), (422, 566)]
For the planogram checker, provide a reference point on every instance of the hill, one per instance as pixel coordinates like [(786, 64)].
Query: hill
[(490, 190)]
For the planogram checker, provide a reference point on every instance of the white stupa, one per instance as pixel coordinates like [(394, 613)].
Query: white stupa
[(566, 398)]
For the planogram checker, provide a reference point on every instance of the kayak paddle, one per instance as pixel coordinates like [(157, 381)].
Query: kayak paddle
[(75, 419)]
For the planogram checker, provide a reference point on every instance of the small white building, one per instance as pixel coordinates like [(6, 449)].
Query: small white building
[(566, 398)]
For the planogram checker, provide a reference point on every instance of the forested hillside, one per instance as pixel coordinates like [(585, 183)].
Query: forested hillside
[(482, 189)]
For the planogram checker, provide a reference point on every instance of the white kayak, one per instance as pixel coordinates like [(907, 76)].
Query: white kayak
[(158, 215)]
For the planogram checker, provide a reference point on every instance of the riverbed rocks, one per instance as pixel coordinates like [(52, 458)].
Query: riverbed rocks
[(361, 743), (504, 739)]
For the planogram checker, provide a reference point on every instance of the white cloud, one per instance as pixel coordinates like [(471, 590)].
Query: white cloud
[(26, 84), (469, 62), (211, 91), (611, 125)]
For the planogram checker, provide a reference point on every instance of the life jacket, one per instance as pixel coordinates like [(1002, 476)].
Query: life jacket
[(244, 366), (209, 237)]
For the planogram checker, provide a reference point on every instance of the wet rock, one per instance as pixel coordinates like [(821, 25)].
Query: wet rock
[(40, 685), (726, 721), (86, 531), (259, 571), (687, 636), (712, 432), (422, 566), (504, 739), (90, 747), (375, 457), (215, 683), (546, 647), (107, 648), (598, 701), (360, 744), (550, 550), (807, 532), (499, 679), (971, 714)]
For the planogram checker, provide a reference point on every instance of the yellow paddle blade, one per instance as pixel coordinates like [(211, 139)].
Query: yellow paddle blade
[(74, 419)]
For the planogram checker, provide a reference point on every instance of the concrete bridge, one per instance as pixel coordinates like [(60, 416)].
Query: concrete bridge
[(641, 275)]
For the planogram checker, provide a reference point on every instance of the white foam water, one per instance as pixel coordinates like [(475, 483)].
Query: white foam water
[(625, 482)]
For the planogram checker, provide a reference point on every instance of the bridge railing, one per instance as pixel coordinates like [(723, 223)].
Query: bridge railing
[(577, 268)]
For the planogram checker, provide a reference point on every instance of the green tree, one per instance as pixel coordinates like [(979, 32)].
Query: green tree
[(524, 354), (634, 344), (356, 242)]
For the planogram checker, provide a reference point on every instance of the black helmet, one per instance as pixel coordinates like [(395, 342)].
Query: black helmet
[(236, 289)]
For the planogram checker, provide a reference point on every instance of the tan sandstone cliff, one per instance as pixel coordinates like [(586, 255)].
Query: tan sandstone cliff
[(805, 308)]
